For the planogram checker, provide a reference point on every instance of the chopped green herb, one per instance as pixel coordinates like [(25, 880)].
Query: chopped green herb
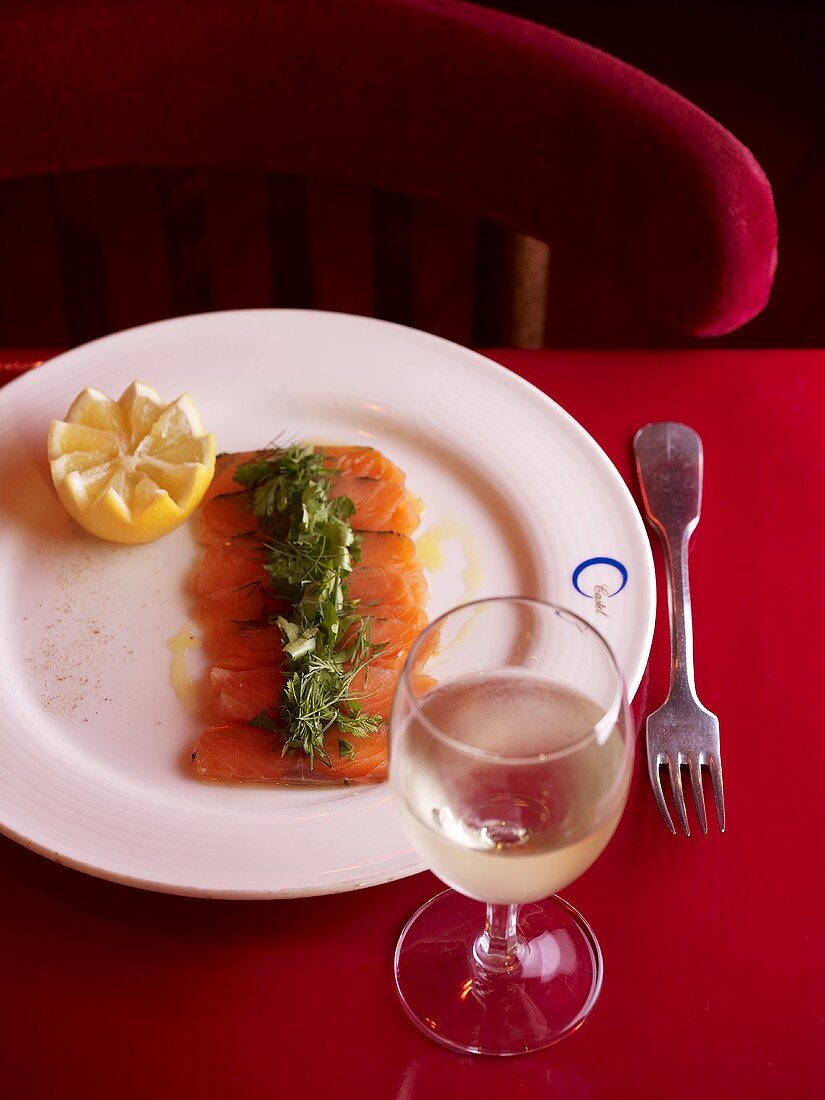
[(310, 549), (264, 722)]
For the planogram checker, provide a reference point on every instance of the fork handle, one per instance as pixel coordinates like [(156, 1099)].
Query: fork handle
[(669, 465)]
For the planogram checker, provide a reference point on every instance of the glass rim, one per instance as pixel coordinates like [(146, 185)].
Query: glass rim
[(608, 719)]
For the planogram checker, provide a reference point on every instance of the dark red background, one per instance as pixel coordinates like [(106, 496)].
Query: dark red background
[(758, 67), (165, 158)]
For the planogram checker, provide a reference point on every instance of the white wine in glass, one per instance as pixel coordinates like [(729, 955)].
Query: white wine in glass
[(510, 760)]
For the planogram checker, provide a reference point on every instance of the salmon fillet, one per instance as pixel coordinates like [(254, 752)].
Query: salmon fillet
[(363, 462), (238, 753), (248, 676), (357, 461), (226, 517), (243, 693), (386, 548), (223, 480), (224, 611), (379, 505), (377, 585), (230, 564), (255, 643)]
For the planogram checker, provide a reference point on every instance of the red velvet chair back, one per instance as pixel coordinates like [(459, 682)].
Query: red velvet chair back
[(161, 158)]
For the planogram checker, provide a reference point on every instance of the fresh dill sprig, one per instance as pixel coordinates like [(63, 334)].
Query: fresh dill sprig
[(310, 548)]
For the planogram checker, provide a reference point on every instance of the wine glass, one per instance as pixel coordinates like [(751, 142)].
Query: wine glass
[(511, 749)]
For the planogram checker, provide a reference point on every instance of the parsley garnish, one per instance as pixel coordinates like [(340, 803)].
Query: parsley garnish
[(310, 550)]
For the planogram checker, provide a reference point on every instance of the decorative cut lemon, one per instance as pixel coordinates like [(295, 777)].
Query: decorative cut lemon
[(134, 469)]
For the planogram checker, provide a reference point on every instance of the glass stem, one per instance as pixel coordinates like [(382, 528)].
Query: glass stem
[(496, 951)]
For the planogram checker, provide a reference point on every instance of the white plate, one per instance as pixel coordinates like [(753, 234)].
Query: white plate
[(94, 743)]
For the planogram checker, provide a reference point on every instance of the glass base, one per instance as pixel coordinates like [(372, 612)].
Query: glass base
[(547, 996)]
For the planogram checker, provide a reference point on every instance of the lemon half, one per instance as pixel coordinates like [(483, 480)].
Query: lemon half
[(134, 469)]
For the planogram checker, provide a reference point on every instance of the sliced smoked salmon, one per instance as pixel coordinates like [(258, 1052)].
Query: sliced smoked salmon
[(254, 642), (224, 481), (227, 517), (363, 462), (239, 753), (386, 548), (225, 609), (393, 639), (379, 505), (237, 611), (358, 461), (230, 564), (376, 585), (242, 694)]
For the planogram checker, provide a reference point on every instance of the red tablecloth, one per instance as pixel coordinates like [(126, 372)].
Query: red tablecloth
[(713, 966)]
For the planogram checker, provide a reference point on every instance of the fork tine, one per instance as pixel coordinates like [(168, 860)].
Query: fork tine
[(715, 765), (678, 794), (653, 762), (698, 793)]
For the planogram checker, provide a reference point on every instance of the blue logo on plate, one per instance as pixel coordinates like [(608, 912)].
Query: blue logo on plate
[(621, 579)]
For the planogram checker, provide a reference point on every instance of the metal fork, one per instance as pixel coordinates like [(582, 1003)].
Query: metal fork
[(682, 731)]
